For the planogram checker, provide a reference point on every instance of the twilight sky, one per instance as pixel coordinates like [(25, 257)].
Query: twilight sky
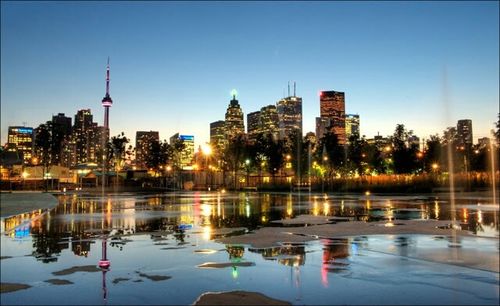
[(174, 64)]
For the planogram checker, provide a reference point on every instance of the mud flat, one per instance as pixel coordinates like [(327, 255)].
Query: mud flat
[(11, 287), (22, 202), (237, 298), (274, 236), (77, 269)]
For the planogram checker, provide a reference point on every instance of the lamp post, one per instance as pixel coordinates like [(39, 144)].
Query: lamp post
[(207, 150), (325, 159), (247, 165), (34, 162), (25, 175)]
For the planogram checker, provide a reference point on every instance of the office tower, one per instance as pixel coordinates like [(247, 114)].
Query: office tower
[(265, 121), (234, 119), (269, 120), (322, 125), (351, 126), (484, 142), (253, 125), (143, 141), (20, 138), (464, 132), (332, 105), (60, 130), (290, 114), (187, 154), (218, 135)]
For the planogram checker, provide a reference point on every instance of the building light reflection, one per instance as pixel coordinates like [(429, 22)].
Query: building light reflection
[(207, 232)]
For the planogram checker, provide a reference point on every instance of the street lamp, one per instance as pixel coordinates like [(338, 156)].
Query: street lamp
[(24, 175), (247, 163), (207, 151)]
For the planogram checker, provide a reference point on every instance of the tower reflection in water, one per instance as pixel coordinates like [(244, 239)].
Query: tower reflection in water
[(104, 264), (335, 252)]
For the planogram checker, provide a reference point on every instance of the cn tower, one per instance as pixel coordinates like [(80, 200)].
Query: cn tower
[(107, 102)]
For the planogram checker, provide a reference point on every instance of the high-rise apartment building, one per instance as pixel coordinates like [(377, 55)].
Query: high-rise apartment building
[(83, 134), (234, 119), (351, 125), (60, 131), (290, 115), (89, 139), (464, 132), (20, 138), (143, 140), (332, 105)]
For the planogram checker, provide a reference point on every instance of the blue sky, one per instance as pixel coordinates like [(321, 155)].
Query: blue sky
[(174, 64)]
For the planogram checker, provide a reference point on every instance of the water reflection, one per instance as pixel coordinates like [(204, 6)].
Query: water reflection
[(78, 220)]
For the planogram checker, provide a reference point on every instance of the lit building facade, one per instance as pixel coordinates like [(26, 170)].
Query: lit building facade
[(322, 125), (83, 136), (269, 120), (143, 140), (218, 135), (351, 126), (332, 105), (60, 132), (290, 115), (464, 132), (253, 125), (20, 138), (234, 125), (187, 155)]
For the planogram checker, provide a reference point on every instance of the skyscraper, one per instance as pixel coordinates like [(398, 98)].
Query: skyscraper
[(269, 120), (187, 154), (290, 115), (332, 105), (253, 125), (351, 125), (143, 140), (322, 125), (21, 138), (264, 121), (464, 132), (83, 135), (60, 131), (218, 135), (234, 119)]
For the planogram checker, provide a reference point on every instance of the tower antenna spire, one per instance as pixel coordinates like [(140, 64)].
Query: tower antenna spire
[(107, 78), (289, 88), (294, 87)]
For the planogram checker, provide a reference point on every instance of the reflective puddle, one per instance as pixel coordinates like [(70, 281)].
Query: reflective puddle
[(161, 251)]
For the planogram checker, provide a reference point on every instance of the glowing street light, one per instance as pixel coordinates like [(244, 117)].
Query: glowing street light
[(207, 151)]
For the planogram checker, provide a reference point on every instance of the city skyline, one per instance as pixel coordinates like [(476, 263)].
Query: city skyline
[(444, 52)]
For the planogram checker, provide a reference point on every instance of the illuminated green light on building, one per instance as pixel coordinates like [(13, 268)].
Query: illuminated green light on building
[(234, 93)]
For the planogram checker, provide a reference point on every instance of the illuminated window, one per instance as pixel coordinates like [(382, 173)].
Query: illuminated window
[(265, 179), (288, 165), (289, 179)]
